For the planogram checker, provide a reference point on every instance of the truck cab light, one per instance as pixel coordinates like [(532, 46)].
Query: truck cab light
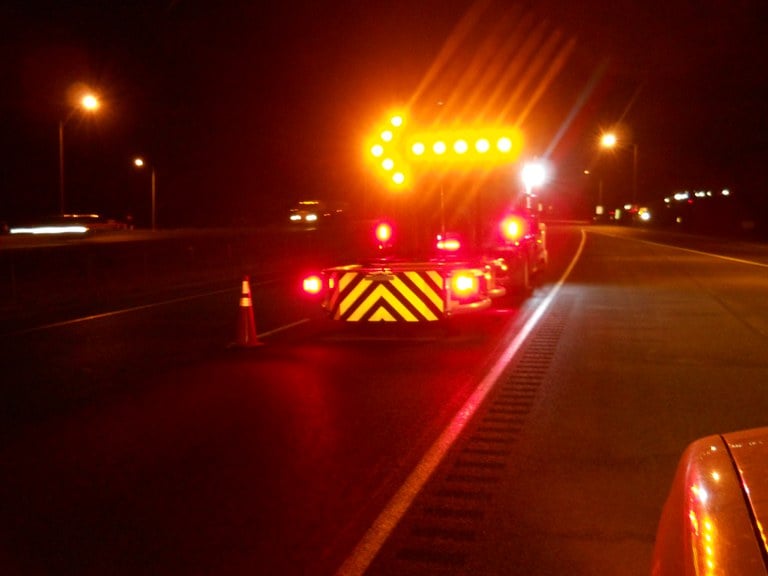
[(448, 244), (513, 228)]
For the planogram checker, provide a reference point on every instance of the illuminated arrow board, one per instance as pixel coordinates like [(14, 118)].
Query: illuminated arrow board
[(396, 153)]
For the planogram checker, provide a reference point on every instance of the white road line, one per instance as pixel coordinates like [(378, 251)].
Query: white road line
[(710, 254), (285, 327), (364, 553), (129, 310), (691, 250)]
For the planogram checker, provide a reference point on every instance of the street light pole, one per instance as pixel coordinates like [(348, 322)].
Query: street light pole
[(61, 167), (609, 140), (634, 173), (140, 163), (90, 103), (154, 196), (599, 210), (600, 193)]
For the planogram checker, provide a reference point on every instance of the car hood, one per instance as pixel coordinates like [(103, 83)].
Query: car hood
[(749, 453), (714, 517)]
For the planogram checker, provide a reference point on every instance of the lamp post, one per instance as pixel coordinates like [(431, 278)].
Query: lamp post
[(599, 208), (139, 163), (610, 141), (634, 173), (89, 103)]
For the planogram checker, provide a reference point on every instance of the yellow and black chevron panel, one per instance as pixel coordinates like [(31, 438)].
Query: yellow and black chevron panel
[(388, 296)]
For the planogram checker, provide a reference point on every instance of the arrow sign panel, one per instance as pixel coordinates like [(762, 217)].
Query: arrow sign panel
[(398, 151)]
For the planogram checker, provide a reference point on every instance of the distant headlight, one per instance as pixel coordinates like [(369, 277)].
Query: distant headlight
[(311, 217), (295, 217), (51, 230)]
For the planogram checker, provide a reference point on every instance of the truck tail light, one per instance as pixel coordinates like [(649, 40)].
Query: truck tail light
[(313, 285), (383, 234), (465, 284)]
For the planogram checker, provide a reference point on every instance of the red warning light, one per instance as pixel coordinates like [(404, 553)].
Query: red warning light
[(313, 284), (383, 234), (448, 243), (513, 228)]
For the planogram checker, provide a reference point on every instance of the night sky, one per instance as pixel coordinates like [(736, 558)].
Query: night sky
[(244, 107)]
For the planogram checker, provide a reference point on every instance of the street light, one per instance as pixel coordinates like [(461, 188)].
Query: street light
[(609, 140), (90, 103), (139, 163)]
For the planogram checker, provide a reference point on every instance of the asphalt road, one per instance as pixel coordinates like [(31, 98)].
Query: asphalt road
[(139, 442), (655, 346)]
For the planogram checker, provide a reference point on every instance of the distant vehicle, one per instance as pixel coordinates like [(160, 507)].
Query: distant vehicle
[(714, 519), (314, 212), (72, 224)]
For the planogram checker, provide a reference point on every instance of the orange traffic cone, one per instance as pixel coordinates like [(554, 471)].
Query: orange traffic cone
[(246, 326)]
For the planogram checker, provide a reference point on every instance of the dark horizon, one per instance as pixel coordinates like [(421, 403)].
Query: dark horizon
[(243, 112)]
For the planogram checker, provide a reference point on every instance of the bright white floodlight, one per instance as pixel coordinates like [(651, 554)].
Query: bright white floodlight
[(534, 175)]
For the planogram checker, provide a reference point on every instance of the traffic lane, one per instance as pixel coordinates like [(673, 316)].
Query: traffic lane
[(270, 460), (53, 368), (655, 353), (143, 477), (733, 272), (59, 280), (562, 241), (728, 248)]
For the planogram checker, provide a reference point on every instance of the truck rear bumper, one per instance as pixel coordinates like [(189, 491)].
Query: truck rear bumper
[(411, 293)]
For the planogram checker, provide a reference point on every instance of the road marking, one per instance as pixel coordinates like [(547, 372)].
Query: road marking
[(128, 311), (691, 250), (373, 540), (710, 254), (286, 327)]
